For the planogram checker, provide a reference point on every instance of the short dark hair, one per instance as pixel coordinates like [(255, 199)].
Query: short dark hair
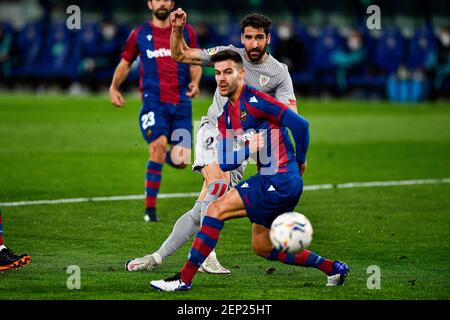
[(228, 54), (256, 20)]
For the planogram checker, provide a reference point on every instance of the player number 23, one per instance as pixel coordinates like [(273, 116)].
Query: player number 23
[(148, 120)]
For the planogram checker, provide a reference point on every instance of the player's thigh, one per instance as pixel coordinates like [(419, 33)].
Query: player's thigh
[(266, 197), (227, 207), (261, 243)]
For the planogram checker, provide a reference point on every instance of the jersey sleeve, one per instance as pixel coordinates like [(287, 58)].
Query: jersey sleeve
[(131, 50), (285, 90), (206, 54)]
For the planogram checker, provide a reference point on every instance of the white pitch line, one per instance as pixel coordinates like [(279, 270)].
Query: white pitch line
[(195, 194)]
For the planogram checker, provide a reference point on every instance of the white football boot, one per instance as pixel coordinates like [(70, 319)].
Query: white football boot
[(170, 284), (338, 275), (146, 263), (212, 265)]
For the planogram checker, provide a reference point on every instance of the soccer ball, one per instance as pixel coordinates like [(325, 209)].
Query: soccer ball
[(291, 232)]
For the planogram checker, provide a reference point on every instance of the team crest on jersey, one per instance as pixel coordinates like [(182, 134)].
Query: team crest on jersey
[(243, 115), (212, 51), (149, 37), (263, 80)]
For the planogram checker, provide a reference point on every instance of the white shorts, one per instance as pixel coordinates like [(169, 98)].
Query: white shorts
[(206, 152)]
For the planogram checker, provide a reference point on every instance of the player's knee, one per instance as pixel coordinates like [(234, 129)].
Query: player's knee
[(213, 173), (214, 211), (157, 151)]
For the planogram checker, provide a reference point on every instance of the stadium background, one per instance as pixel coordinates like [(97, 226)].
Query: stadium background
[(376, 187), (404, 61)]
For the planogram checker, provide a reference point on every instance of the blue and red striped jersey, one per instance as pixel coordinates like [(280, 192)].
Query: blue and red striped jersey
[(256, 111), (162, 78)]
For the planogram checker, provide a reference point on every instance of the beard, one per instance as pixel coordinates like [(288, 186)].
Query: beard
[(230, 90), (254, 58), (162, 14)]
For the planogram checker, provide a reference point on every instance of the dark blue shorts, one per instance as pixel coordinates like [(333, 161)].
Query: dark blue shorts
[(165, 119), (265, 197)]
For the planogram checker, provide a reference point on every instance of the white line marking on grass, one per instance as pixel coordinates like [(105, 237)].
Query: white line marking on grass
[(349, 185)]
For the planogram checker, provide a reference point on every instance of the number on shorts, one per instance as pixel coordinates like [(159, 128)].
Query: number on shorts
[(209, 143), (148, 120)]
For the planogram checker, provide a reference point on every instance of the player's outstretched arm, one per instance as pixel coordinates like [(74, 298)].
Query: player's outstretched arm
[(180, 51), (120, 74), (300, 131)]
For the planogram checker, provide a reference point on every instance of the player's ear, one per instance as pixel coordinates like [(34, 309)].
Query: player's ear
[(242, 38), (149, 4), (241, 74), (268, 38)]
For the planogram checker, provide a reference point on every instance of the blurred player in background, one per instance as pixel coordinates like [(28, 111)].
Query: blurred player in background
[(275, 189), (167, 88), (8, 259), (263, 72)]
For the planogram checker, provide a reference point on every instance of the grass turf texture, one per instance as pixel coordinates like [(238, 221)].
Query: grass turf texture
[(62, 147)]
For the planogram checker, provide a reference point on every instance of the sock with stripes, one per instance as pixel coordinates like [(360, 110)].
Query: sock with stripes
[(152, 182), (215, 190), (203, 244), (304, 258)]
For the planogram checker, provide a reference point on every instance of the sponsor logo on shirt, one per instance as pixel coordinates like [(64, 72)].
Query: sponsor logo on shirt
[(160, 53), (212, 51)]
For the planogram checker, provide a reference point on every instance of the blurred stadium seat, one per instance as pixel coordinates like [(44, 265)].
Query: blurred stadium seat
[(27, 47), (421, 49), (44, 51), (390, 50), (59, 57)]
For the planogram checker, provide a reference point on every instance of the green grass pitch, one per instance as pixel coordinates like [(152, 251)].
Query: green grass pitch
[(54, 147)]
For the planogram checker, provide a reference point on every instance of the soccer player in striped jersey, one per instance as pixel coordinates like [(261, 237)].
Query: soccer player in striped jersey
[(167, 88), (275, 189), (263, 72), (8, 259)]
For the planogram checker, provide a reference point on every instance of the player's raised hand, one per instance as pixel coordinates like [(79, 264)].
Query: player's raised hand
[(116, 98), (178, 18), (257, 142), (194, 90)]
